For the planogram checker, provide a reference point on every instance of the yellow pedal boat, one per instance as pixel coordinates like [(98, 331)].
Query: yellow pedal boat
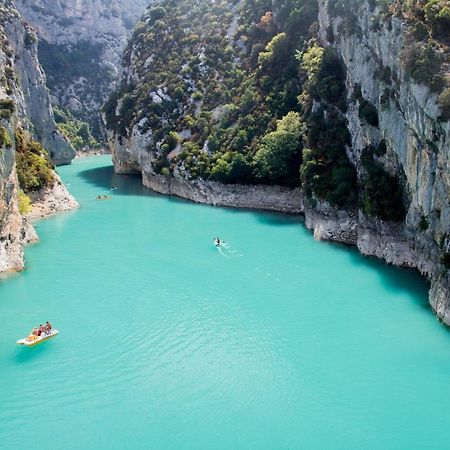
[(32, 340)]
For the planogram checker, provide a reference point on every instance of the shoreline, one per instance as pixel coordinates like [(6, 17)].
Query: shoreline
[(87, 153), (50, 201)]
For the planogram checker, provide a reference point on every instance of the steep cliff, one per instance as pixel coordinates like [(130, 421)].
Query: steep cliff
[(414, 134), (347, 99), (80, 48), (25, 115)]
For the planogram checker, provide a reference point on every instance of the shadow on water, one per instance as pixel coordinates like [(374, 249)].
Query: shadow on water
[(25, 355), (392, 278), (105, 178)]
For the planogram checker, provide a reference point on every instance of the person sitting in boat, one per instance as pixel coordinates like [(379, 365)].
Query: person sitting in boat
[(48, 328), (35, 332), (41, 329)]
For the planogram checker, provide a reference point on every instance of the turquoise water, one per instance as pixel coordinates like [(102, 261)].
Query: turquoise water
[(278, 342)]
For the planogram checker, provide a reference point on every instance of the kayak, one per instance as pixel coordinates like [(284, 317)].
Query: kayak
[(33, 340)]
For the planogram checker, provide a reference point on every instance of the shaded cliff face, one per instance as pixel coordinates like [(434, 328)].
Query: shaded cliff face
[(414, 135), (32, 97), (80, 48), (24, 106)]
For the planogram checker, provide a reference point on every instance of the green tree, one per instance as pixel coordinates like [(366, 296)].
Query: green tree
[(278, 157), (274, 55)]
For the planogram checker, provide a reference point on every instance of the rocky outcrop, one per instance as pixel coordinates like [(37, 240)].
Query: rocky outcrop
[(24, 104), (270, 198), (87, 37), (51, 200), (129, 160)]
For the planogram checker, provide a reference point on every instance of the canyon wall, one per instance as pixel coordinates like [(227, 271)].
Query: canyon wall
[(417, 145), (80, 48), (24, 105)]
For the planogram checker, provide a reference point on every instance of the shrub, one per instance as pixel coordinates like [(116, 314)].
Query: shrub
[(24, 203), (274, 55), (30, 39), (34, 169), (160, 164), (420, 31), (445, 260), (437, 14), (383, 195), (380, 149), (424, 64), (329, 82), (278, 158), (221, 171), (157, 13), (444, 102), (5, 138), (232, 167), (368, 113), (326, 171), (172, 140), (423, 223), (7, 108)]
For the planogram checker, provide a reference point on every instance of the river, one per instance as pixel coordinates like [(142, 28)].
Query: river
[(277, 341)]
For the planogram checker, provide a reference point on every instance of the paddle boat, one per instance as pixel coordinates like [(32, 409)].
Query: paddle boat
[(32, 339)]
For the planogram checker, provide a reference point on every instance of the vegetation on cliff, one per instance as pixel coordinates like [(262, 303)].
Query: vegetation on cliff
[(242, 92), (5, 138), (77, 132), (34, 169), (228, 76), (425, 56)]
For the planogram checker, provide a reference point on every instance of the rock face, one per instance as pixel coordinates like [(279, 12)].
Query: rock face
[(417, 141), (416, 150), (32, 98), (81, 45), (129, 160), (51, 200), (24, 104)]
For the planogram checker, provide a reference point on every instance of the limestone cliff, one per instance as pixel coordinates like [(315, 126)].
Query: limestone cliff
[(24, 105), (33, 98), (81, 45), (417, 144)]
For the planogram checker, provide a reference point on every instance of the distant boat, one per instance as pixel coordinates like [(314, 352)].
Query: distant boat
[(32, 340)]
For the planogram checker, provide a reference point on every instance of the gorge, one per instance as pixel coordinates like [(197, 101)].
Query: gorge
[(210, 133), (312, 137)]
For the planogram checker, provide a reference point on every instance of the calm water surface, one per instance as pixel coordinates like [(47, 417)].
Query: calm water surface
[(278, 342)]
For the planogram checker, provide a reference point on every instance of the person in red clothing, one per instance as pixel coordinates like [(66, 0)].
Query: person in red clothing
[(48, 327)]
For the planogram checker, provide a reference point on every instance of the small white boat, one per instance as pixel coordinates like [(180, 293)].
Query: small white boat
[(32, 340), (218, 243)]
